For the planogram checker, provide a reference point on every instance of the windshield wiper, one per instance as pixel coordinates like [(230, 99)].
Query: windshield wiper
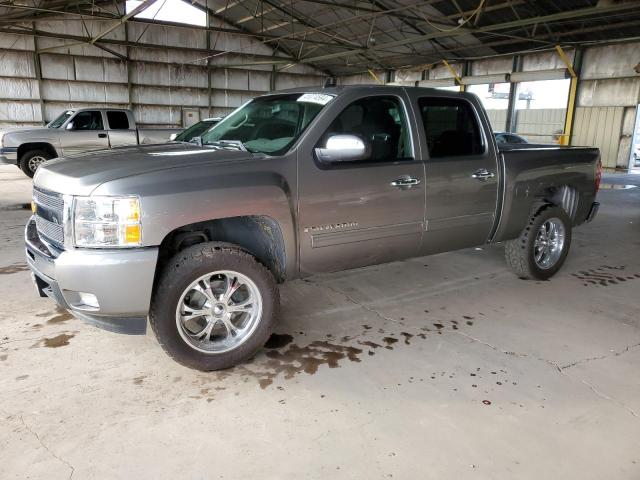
[(228, 145)]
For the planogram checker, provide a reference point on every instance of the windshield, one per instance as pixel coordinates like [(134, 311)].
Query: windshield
[(269, 124), (57, 123), (195, 130)]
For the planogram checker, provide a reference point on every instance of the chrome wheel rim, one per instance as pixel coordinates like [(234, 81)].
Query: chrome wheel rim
[(549, 243), (35, 162), (219, 311)]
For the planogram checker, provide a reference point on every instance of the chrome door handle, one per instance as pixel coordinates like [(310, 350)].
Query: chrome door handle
[(405, 182), (483, 175)]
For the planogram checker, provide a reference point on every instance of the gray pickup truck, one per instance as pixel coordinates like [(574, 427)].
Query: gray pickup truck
[(293, 183), (73, 132)]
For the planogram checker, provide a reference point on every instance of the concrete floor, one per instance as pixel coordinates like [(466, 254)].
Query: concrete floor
[(435, 368)]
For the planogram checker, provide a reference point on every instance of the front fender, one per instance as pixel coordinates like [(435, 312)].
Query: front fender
[(173, 198)]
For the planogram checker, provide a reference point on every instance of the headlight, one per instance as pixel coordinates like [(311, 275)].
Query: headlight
[(107, 222)]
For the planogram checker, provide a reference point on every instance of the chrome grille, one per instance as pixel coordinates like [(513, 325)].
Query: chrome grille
[(51, 231), (49, 216), (50, 200)]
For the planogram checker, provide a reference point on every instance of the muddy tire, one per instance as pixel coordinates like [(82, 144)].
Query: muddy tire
[(543, 245), (214, 306), (31, 160)]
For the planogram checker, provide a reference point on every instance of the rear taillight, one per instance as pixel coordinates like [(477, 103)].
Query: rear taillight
[(598, 174)]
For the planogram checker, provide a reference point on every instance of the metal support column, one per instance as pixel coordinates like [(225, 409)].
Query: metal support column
[(38, 69), (513, 96), (208, 64), (574, 69), (455, 74)]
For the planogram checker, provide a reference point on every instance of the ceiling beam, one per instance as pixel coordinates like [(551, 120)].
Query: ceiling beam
[(583, 12)]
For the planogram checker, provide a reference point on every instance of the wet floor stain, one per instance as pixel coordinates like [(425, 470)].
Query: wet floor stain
[(283, 358), (278, 341), (139, 380), (486, 402), (605, 276), (57, 341), (14, 268), (16, 206), (615, 186), (389, 341), (61, 317), (22, 377)]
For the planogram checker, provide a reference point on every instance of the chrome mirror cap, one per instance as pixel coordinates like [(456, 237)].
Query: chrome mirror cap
[(344, 148)]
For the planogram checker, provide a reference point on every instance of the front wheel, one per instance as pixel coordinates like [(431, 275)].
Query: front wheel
[(30, 161), (214, 307), (543, 245)]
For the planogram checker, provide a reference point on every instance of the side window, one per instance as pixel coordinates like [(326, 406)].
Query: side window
[(88, 121), (117, 120), (381, 122), (451, 127)]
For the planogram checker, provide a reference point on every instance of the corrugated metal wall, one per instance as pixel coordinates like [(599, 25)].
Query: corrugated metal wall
[(600, 127), (539, 124), (168, 73)]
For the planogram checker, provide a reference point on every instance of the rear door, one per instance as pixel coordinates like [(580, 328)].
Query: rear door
[(361, 213), (461, 172), (84, 132), (121, 129)]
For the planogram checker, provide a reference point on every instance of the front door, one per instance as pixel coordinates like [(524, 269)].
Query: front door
[(84, 132), (461, 174), (360, 213)]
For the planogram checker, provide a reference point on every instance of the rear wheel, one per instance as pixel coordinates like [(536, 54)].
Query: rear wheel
[(543, 245), (214, 307), (30, 161)]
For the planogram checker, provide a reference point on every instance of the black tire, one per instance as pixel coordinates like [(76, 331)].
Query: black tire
[(520, 252), (185, 268), (25, 161)]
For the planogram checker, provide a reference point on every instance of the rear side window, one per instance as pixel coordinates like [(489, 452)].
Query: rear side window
[(118, 120), (451, 127)]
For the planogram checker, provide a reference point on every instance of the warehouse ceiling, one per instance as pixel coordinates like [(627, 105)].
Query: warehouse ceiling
[(348, 36)]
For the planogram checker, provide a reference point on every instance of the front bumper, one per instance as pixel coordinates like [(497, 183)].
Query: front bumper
[(121, 280), (9, 155)]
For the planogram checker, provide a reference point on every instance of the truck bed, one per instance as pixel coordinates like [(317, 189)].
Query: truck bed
[(531, 173)]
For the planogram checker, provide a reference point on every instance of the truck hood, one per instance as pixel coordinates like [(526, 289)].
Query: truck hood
[(33, 134), (81, 174)]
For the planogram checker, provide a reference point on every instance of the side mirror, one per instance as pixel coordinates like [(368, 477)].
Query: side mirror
[(172, 137), (344, 148), (69, 126), (196, 140)]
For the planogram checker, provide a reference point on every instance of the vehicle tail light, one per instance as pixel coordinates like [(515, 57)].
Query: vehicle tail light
[(598, 174)]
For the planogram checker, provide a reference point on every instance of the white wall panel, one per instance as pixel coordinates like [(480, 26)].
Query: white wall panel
[(19, 88), (15, 42), (28, 112), (16, 64)]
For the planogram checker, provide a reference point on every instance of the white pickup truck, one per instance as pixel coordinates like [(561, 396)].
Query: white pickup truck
[(75, 131)]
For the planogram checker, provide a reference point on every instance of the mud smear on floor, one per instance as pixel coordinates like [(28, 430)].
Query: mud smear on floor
[(55, 342), (605, 276), (14, 268)]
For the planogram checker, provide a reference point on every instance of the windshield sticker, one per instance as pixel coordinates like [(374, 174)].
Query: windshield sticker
[(319, 98)]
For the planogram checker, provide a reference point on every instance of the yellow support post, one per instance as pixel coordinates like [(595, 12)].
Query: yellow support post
[(573, 88), (454, 73), (375, 77)]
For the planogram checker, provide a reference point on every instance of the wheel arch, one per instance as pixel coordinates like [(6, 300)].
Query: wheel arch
[(258, 235), (27, 147)]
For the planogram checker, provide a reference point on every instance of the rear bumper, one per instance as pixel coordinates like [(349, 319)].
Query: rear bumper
[(595, 206), (9, 155), (120, 280)]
